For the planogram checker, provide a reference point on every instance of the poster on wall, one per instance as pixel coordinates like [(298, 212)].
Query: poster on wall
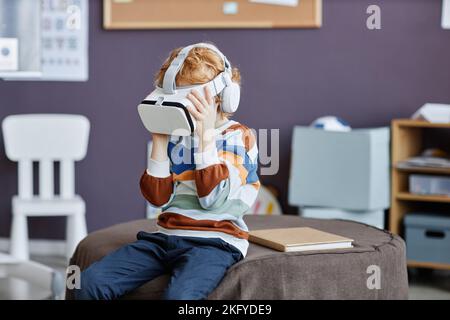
[(64, 35)]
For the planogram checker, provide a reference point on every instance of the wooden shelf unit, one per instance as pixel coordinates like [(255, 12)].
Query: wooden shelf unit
[(407, 140), (406, 196), (424, 170), (428, 265)]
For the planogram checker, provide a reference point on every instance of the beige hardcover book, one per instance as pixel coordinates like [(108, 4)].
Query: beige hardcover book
[(299, 239)]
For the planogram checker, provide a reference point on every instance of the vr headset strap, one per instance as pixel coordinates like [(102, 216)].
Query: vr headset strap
[(169, 85), (217, 85)]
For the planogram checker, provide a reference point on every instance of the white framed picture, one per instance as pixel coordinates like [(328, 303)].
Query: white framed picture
[(64, 37)]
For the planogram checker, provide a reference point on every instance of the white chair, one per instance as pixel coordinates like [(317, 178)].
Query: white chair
[(46, 139)]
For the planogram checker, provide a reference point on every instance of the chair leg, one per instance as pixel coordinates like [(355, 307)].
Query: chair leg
[(76, 231), (69, 236), (19, 237)]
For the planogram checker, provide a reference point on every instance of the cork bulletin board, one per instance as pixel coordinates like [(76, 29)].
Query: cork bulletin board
[(206, 14)]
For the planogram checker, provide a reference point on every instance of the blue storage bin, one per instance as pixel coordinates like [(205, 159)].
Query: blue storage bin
[(427, 237)]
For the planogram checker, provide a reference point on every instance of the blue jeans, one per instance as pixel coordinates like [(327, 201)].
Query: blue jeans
[(196, 265)]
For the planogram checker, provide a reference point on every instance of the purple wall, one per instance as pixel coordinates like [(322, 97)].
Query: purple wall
[(289, 77)]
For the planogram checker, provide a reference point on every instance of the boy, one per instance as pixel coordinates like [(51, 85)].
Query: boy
[(204, 195)]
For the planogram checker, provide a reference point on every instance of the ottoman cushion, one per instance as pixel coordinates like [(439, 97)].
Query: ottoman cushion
[(269, 274)]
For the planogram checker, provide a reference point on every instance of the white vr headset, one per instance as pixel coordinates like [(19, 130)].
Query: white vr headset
[(165, 109)]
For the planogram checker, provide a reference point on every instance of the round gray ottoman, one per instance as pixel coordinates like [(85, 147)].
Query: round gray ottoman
[(375, 268)]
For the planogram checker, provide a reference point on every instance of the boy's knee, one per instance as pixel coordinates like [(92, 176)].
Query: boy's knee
[(90, 286)]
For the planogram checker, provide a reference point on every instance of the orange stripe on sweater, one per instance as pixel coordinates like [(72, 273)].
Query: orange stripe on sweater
[(248, 138), (236, 161), (208, 178), (256, 185), (171, 220), (184, 176)]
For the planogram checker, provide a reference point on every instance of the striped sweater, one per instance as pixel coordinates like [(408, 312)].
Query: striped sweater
[(206, 194)]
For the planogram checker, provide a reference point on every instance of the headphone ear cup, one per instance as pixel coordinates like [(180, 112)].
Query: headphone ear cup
[(231, 96)]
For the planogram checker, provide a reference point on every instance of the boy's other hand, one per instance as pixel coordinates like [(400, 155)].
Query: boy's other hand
[(159, 147), (204, 111), (159, 137)]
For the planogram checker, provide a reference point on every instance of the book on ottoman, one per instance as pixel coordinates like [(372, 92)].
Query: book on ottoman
[(299, 239)]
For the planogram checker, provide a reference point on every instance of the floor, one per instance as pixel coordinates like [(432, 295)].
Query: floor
[(17, 289), (429, 285), (424, 284)]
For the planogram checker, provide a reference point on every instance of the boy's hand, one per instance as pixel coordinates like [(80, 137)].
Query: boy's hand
[(159, 137), (204, 110)]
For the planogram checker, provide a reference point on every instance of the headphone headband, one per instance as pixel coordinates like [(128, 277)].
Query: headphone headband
[(169, 83)]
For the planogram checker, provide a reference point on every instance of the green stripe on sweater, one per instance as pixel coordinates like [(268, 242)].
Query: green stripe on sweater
[(233, 207)]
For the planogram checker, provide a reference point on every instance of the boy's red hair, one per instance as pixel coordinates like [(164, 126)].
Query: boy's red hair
[(201, 66)]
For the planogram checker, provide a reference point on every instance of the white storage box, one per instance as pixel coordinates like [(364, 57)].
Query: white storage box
[(429, 185), (374, 218), (348, 170)]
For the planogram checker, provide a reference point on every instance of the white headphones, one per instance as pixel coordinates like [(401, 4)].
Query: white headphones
[(229, 91)]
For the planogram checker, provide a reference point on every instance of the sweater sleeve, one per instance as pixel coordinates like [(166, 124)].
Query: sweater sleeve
[(228, 174), (157, 183)]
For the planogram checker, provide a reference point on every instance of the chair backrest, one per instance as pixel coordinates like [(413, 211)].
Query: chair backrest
[(46, 138)]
